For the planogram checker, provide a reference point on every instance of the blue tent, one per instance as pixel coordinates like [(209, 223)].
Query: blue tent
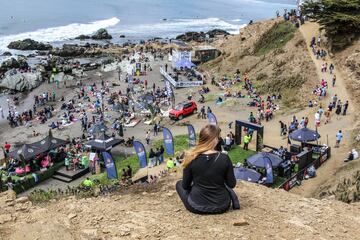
[(259, 160), (247, 174), (304, 135), (184, 63)]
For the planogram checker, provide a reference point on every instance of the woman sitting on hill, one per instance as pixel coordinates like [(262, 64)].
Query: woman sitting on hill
[(208, 177)]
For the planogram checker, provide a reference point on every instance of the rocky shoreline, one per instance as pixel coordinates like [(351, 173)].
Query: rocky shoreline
[(56, 57)]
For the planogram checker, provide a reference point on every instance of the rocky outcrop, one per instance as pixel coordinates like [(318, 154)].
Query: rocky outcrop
[(69, 50), (83, 37), (29, 44), (6, 54), (217, 32), (192, 36), (13, 63), (201, 36), (20, 81), (101, 34)]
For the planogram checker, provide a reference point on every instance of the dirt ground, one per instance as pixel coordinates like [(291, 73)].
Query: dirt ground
[(155, 212)]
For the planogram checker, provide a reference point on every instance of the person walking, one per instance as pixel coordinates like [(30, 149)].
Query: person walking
[(339, 137), (147, 137), (151, 158), (2, 113), (346, 105), (334, 80), (203, 112)]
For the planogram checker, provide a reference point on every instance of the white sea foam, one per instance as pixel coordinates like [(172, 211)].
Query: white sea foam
[(59, 33), (177, 26)]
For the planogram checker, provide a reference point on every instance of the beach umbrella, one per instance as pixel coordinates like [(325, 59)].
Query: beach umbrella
[(304, 135), (259, 160), (103, 142), (247, 174)]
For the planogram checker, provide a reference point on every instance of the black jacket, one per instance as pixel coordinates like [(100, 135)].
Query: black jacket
[(205, 178)]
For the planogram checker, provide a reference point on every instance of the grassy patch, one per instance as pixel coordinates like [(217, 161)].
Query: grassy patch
[(211, 97), (181, 144), (237, 154), (275, 38)]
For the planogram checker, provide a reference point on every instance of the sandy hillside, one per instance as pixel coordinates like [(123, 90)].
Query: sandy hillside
[(156, 212), (278, 70)]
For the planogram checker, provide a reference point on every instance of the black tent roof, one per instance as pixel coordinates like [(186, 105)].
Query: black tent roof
[(103, 142), (27, 151)]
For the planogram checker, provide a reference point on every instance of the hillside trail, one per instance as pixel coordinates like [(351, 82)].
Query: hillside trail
[(344, 123)]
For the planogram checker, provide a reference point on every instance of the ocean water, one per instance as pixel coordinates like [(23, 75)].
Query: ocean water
[(58, 21)]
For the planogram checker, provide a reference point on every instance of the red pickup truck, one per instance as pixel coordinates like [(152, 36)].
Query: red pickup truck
[(183, 109)]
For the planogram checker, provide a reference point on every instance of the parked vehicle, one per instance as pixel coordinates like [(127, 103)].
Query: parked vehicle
[(182, 110)]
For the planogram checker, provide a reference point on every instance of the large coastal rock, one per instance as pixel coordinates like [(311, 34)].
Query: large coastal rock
[(13, 63), (21, 81), (29, 44), (101, 34), (201, 36)]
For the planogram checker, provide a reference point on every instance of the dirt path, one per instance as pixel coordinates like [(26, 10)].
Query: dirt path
[(344, 123)]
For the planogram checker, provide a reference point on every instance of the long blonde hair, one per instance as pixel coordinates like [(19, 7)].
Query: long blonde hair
[(208, 139)]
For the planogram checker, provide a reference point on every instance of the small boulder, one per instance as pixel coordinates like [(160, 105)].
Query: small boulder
[(122, 36), (83, 37), (241, 222), (22, 200), (6, 54)]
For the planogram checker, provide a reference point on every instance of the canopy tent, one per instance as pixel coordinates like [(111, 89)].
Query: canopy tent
[(247, 174), (97, 128), (304, 135), (119, 107), (50, 142), (259, 160), (29, 151), (103, 142), (184, 63), (26, 152)]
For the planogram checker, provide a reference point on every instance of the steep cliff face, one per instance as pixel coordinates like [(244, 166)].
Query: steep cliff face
[(155, 212)]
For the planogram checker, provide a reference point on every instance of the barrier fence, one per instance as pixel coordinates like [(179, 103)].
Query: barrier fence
[(181, 84)]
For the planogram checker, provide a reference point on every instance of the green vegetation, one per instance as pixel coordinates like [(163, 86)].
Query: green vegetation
[(339, 18), (275, 38), (237, 154), (181, 144)]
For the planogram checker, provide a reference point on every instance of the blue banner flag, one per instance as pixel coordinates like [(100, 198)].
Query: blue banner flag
[(269, 171), (141, 153), (168, 141), (212, 118), (110, 166), (169, 90), (192, 135)]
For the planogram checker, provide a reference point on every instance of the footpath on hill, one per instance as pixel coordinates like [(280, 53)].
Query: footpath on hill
[(328, 131)]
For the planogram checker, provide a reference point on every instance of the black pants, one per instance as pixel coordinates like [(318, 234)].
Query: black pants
[(183, 194)]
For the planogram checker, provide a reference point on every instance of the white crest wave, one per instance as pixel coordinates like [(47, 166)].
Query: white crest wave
[(61, 33)]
